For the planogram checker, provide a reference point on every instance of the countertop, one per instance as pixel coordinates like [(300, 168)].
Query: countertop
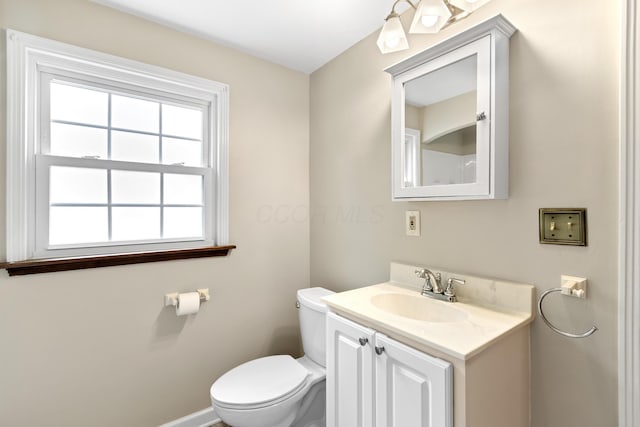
[(460, 339)]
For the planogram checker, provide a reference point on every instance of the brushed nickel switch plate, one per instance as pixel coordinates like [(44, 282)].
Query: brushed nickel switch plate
[(563, 226)]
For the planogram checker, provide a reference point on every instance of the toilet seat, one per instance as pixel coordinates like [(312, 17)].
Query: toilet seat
[(260, 383)]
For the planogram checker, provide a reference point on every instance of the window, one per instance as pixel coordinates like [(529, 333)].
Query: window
[(110, 156)]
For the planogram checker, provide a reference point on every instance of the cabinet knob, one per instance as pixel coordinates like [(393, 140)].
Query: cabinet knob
[(481, 116), (363, 341), (379, 350)]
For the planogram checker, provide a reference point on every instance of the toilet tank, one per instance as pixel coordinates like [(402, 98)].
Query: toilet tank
[(312, 315)]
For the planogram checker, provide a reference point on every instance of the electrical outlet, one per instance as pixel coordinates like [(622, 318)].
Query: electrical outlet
[(412, 223)]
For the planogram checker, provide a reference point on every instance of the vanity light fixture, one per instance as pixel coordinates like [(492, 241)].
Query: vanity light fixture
[(392, 37), (430, 17)]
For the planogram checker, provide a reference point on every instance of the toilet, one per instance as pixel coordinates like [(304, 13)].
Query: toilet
[(280, 391)]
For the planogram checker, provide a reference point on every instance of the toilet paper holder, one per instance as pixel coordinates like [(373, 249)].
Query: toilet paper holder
[(172, 298)]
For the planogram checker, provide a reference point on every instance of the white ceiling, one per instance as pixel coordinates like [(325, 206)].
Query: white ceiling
[(302, 35)]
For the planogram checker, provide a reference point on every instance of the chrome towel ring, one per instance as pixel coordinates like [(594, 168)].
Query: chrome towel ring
[(553, 328)]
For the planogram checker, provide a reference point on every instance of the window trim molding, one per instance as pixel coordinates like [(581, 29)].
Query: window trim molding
[(37, 266), (26, 56)]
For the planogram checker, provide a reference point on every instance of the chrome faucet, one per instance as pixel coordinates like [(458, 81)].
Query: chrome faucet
[(429, 286), (433, 285)]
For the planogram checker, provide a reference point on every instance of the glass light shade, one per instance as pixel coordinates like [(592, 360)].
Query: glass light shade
[(468, 5), (392, 37), (430, 17), (429, 20)]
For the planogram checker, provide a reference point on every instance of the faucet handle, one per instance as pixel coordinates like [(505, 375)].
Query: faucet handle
[(422, 273), (449, 291)]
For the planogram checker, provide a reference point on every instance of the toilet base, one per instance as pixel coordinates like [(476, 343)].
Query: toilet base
[(310, 412), (314, 416)]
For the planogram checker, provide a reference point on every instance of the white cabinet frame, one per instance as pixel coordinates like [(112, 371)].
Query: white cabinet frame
[(488, 40)]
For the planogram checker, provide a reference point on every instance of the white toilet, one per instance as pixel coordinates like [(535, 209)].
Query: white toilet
[(280, 391)]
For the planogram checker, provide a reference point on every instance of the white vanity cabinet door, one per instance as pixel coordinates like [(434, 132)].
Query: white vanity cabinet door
[(350, 373), (412, 389)]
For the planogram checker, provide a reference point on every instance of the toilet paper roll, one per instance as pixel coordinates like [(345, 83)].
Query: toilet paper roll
[(188, 303)]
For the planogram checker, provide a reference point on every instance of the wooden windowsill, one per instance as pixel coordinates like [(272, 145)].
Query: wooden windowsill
[(64, 264)]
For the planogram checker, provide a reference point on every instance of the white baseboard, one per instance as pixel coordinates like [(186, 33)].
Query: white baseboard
[(205, 418)]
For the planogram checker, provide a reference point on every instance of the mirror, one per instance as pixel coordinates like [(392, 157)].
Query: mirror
[(440, 126), (450, 117)]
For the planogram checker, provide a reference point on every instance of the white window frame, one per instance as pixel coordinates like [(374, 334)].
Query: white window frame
[(28, 59)]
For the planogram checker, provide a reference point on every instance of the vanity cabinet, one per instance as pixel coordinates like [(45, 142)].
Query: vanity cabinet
[(481, 343), (373, 380)]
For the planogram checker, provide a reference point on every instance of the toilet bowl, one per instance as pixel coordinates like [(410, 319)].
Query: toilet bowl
[(267, 392), (280, 391)]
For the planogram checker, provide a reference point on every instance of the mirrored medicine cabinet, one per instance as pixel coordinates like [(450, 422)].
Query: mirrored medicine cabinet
[(450, 117)]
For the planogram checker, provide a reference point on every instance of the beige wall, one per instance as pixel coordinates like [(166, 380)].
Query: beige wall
[(96, 347), (563, 153), (446, 116)]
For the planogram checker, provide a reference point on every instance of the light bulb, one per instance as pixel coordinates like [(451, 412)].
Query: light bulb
[(429, 20), (392, 37), (430, 16), (392, 43)]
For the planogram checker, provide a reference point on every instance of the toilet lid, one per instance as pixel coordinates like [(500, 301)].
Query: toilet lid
[(259, 381)]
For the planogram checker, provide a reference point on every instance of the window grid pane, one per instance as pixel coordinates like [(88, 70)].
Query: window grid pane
[(134, 147), (135, 114), (78, 104), (182, 222), (77, 225), (138, 223), (184, 127), (132, 216), (79, 141)]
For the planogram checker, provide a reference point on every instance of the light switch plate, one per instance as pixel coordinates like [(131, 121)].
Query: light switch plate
[(563, 226), (412, 223)]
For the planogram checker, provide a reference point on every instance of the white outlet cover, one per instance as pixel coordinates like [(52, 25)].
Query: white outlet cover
[(412, 223)]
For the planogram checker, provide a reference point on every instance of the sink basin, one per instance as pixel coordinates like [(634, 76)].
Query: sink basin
[(418, 307)]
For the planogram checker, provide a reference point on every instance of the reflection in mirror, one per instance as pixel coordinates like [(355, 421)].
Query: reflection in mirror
[(440, 126)]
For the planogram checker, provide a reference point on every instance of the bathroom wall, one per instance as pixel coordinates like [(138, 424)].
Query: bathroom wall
[(563, 153), (96, 347), (450, 114)]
